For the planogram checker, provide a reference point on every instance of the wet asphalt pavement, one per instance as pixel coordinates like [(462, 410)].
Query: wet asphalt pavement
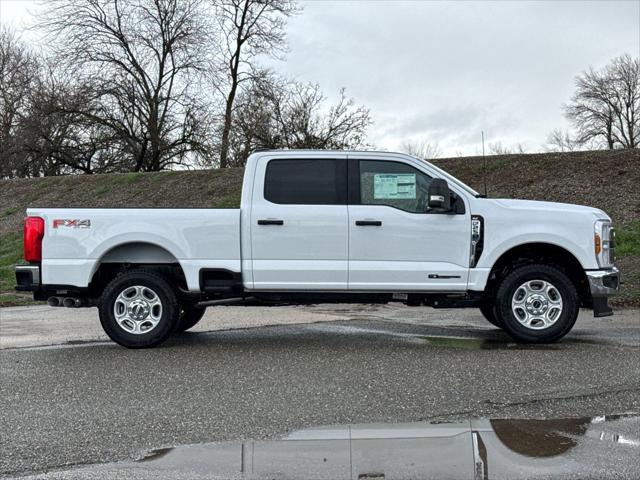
[(86, 403)]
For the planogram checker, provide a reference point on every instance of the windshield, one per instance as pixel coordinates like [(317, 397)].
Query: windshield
[(452, 179)]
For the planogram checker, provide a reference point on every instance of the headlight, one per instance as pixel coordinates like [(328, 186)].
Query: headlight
[(604, 243)]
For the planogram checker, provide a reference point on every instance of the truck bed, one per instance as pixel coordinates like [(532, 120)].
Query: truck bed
[(77, 240)]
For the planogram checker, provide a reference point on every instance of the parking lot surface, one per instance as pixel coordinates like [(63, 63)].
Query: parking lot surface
[(71, 398)]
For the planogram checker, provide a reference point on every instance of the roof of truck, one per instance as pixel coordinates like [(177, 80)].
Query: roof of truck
[(318, 151)]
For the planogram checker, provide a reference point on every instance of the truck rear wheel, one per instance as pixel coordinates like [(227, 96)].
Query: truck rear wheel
[(139, 309), (537, 304), (189, 317), (488, 311)]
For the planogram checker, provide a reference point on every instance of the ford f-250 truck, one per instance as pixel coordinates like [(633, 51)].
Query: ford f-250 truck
[(327, 226)]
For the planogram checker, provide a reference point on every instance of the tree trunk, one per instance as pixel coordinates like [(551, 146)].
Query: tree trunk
[(224, 144), (234, 65), (610, 141)]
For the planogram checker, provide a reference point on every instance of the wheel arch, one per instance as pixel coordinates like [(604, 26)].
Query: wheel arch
[(540, 253), (135, 254)]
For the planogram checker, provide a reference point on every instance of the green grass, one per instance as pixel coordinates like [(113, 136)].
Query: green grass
[(102, 191), (9, 211), (493, 165), (15, 299), (10, 255), (628, 240), (162, 176), (131, 177), (231, 200)]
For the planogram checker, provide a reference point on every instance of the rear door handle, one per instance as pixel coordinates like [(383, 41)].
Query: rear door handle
[(368, 223), (270, 222)]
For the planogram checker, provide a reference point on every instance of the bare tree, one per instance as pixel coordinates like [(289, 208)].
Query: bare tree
[(18, 74), (141, 60), (561, 141), (249, 28), (498, 148), (589, 110), (606, 104), (279, 113), (59, 134), (40, 134), (421, 149), (625, 93)]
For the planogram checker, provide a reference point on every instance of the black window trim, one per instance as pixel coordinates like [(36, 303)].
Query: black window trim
[(343, 187)]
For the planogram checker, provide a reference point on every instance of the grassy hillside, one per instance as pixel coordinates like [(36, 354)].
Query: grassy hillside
[(607, 180)]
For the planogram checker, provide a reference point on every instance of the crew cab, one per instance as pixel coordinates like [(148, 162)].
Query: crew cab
[(327, 226)]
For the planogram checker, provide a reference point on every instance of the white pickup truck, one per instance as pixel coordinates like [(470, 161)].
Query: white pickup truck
[(327, 226)]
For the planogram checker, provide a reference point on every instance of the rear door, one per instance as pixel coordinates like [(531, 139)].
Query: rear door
[(394, 244), (299, 224)]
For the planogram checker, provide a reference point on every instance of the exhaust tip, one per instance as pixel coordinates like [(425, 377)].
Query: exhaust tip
[(69, 302), (53, 301)]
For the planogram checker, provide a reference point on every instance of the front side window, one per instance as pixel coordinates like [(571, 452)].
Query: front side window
[(394, 184), (306, 182)]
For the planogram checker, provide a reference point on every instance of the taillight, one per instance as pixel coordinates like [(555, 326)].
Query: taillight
[(33, 234)]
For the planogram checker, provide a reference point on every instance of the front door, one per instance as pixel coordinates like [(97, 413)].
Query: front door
[(299, 225), (394, 244)]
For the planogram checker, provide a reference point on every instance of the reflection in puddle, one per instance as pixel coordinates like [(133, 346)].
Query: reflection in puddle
[(477, 449)]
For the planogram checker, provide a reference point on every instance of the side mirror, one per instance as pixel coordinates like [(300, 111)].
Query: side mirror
[(439, 195)]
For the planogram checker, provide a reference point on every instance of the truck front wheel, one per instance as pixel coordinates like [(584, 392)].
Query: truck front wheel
[(537, 304), (139, 309)]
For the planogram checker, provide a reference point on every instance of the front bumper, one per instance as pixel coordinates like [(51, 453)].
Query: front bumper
[(27, 278), (603, 284)]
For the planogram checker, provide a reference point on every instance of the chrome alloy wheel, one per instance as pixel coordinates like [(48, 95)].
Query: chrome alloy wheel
[(537, 304), (137, 310)]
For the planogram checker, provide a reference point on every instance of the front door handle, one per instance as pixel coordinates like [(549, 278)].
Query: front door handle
[(270, 222), (368, 223)]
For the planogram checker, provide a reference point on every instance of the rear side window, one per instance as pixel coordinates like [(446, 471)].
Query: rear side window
[(306, 182)]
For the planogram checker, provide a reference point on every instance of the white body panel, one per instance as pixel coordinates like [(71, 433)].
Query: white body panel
[(310, 251), (318, 247), (196, 238), (510, 223), (407, 248)]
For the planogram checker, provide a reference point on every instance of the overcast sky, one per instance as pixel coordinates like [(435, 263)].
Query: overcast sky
[(443, 71)]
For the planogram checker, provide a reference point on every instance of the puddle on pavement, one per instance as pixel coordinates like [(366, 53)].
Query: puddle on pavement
[(477, 449), (471, 343), (445, 341)]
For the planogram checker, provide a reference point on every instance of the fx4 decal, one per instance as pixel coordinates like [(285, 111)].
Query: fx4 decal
[(71, 223)]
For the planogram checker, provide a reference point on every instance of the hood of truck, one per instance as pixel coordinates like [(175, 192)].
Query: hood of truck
[(551, 207)]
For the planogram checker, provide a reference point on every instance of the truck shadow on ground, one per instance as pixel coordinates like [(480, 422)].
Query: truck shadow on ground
[(362, 332)]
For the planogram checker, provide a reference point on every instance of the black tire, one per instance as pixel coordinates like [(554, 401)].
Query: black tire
[(166, 317), (189, 317), (562, 324), (488, 311)]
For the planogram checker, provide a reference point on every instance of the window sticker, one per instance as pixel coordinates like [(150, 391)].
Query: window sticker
[(394, 186)]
